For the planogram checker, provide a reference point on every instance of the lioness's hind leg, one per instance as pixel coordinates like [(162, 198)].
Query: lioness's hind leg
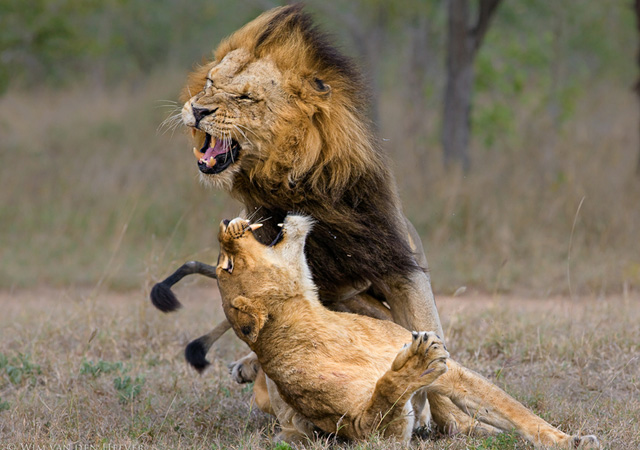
[(245, 369), (490, 405)]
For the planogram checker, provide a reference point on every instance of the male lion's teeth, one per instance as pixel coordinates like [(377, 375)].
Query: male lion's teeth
[(255, 226), (280, 225), (197, 153), (211, 162)]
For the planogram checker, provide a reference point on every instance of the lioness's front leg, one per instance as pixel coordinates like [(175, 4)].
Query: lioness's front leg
[(491, 405), (417, 365)]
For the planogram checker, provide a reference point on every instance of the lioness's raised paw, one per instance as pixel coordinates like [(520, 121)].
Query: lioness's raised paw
[(237, 227), (425, 357), (245, 369)]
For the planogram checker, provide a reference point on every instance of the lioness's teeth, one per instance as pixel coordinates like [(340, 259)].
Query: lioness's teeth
[(197, 153), (255, 226), (211, 162), (280, 225)]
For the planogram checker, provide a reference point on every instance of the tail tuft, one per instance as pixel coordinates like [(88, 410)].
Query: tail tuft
[(163, 298), (196, 353)]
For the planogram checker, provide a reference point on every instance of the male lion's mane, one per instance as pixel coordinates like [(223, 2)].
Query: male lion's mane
[(326, 161)]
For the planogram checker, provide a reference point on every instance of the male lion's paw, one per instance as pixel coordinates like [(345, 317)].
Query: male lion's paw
[(426, 356), (245, 369), (586, 442)]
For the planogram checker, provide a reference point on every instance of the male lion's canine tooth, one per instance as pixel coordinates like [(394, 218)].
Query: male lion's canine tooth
[(211, 162), (255, 226), (197, 153)]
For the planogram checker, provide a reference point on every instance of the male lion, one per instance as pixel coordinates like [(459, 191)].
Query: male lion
[(339, 372)]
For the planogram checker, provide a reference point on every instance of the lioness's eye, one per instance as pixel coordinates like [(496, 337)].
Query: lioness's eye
[(244, 97)]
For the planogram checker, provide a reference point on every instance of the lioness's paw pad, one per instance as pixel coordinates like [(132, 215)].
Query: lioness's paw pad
[(586, 442), (429, 344), (425, 354)]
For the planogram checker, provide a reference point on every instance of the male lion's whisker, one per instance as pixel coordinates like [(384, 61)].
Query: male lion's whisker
[(247, 130), (241, 132), (171, 123)]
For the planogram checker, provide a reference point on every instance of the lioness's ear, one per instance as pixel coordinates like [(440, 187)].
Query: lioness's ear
[(247, 317)]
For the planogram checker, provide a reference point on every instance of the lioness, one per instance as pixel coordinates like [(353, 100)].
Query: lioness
[(339, 372)]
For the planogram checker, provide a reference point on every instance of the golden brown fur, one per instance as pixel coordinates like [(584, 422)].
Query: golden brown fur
[(339, 372)]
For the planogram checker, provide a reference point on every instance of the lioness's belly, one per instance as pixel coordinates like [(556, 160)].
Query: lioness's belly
[(331, 379)]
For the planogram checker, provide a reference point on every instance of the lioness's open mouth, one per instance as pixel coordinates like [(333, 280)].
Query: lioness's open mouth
[(214, 159)]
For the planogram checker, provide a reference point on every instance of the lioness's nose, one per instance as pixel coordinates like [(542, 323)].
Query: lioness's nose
[(199, 113)]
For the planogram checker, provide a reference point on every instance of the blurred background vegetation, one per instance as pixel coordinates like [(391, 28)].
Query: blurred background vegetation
[(94, 193)]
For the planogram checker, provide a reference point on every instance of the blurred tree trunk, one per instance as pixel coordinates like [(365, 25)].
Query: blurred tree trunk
[(463, 43), (637, 86)]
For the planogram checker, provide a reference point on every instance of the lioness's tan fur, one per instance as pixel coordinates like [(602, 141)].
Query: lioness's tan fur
[(345, 373)]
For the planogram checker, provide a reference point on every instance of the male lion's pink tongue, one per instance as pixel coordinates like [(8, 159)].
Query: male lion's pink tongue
[(217, 149), (210, 154)]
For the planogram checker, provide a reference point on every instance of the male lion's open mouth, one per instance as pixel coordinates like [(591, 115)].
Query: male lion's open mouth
[(215, 158)]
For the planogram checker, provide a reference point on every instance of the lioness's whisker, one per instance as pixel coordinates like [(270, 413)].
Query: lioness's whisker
[(253, 214)]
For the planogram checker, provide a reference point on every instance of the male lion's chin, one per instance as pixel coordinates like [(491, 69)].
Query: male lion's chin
[(222, 181)]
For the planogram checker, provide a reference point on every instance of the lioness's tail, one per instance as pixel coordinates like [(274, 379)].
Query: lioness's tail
[(196, 351), (163, 297)]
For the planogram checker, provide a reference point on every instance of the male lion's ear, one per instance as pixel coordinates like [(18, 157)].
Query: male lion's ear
[(247, 317), (321, 87)]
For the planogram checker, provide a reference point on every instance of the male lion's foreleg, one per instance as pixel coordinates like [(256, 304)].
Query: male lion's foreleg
[(489, 404), (417, 365), (412, 303)]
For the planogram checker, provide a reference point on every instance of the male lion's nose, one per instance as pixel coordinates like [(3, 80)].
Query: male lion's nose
[(199, 113)]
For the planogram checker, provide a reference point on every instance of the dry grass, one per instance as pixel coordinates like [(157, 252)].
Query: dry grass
[(90, 183), (68, 353), (507, 225)]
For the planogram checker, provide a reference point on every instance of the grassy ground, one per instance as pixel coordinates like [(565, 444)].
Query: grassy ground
[(81, 368)]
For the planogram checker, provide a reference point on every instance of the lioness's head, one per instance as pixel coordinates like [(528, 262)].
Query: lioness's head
[(252, 276), (277, 106)]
